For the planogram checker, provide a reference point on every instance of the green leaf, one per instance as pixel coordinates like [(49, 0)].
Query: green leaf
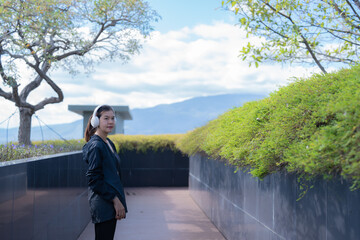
[(243, 21)]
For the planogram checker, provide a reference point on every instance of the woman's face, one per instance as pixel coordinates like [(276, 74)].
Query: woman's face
[(107, 121)]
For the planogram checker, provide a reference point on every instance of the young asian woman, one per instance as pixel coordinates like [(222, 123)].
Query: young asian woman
[(106, 192)]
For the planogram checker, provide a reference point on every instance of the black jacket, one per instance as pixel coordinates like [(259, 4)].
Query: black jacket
[(104, 179)]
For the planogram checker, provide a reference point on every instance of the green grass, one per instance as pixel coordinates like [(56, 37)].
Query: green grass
[(311, 126)]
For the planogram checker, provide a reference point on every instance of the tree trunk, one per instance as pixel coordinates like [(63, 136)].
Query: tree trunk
[(25, 126)]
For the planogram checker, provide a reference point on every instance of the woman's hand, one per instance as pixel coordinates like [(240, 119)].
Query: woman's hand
[(119, 209)]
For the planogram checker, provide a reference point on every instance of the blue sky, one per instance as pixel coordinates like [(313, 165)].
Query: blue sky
[(192, 52), (178, 14)]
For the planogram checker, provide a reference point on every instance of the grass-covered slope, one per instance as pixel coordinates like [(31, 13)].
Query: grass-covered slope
[(311, 126)]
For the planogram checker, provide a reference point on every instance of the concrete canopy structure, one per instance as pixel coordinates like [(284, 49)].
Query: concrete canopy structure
[(121, 113)]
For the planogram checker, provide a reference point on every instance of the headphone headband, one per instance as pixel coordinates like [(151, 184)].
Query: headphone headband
[(95, 121)]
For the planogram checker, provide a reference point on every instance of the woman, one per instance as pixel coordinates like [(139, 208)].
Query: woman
[(106, 192)]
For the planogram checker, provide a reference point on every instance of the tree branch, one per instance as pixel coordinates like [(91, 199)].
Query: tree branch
[(6, 95), (68, 54), (47, 101), (352, 8), (28, 45), (101, 30), (41, 75), (357, 3), (273, 30), (338, 30), (95, 40), (52, 84), (85, 49), (6, 79), (29, 87), (341, 38), (312, 54), (15, 95), (45, 67), (336, 59), (275, 11), (304, 40), (344, 16)]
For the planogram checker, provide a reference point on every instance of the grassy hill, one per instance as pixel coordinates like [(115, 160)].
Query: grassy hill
[(311, 126)]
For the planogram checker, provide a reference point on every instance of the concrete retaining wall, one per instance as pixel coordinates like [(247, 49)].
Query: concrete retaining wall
[(43, 198), (163, 168), (243, 207)]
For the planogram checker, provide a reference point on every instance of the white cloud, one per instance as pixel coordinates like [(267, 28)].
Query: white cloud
[(171, 67)]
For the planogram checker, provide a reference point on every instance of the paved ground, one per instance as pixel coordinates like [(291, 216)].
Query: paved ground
[(161, 214)]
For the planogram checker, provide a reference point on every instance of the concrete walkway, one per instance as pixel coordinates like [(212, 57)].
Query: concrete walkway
[(161, 214)]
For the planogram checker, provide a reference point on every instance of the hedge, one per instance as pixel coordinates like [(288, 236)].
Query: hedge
[(311, 127)]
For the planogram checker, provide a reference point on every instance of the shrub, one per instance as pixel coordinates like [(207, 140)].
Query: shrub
[(142, 143), (311, 126)]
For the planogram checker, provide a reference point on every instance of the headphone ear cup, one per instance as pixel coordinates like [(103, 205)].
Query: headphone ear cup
[(95, 122)]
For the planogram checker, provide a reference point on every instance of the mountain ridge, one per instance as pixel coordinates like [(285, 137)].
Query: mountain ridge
[(179, 117)]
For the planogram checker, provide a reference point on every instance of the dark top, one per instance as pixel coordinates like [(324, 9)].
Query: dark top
[(104, 178)]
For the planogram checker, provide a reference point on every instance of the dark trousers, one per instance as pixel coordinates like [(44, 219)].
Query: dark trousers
[(105, 230)]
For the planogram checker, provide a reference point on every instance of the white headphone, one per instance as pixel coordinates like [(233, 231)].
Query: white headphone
[(95, 121)]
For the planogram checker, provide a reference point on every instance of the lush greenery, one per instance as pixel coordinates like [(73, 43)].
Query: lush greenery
[(142, 143), (311, 126), (317, 31), (13, 151)]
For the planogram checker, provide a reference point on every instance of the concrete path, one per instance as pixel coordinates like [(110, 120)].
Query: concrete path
[(161, 214)]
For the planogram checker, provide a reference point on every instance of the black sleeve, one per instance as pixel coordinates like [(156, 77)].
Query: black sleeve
[(95, 175)]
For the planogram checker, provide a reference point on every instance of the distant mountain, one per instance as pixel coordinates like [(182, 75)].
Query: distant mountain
[(72, 130), (178, 117), (183, 116)]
